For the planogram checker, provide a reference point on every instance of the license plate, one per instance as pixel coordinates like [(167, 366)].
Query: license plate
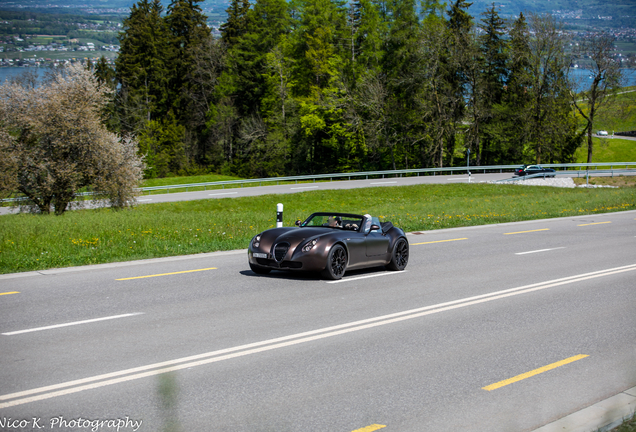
[(259, 255)]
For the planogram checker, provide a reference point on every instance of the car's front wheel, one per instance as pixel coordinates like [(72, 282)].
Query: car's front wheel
[(336, 263), (259, 270), (400, 255)]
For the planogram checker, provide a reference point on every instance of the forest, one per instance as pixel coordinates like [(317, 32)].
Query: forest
[(318, 86)]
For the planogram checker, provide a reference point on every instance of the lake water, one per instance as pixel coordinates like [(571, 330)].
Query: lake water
[(581, 76), (11, 72)]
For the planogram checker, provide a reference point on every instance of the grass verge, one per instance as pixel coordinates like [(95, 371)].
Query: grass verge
[(35, 242), (629, 425)]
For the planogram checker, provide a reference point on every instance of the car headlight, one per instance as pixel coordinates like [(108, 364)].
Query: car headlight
[(309, 245), (256, 241)]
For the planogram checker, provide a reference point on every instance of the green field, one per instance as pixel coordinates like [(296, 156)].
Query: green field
[(186, 180), (620, 116), (609, 150), (32, 242)]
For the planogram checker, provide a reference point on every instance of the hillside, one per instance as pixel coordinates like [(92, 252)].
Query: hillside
[(576, 13)]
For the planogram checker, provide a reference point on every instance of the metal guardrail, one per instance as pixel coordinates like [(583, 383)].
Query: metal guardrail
[(383, 174)]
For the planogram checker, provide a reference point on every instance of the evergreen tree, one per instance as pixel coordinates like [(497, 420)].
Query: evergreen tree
[(188, 30), (104, 73), (267, 22), (400, 65), (459, 25), (493, 76), (319, 52), (514, 107), (370, 34), (236, 24), (141, 67), (437, 111)]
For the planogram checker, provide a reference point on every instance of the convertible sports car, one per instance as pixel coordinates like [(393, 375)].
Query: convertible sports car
[(534, 169), (330, 243)]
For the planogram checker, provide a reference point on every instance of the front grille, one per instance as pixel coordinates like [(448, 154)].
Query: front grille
[(280, 250), (282, 265)]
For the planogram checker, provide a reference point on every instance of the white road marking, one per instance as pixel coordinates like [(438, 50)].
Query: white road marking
[(223, 193), (69, 387), (366, 277), (387, 182), (71, 324), (144, 200), (459, 178), (305, 187), (540, 250)]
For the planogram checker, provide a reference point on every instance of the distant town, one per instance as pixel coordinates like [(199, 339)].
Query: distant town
[(33, 34)]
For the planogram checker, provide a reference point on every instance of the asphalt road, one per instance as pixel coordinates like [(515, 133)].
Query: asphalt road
[(495, 328)]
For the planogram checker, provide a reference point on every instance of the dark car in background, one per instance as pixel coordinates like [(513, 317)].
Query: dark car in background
[(534, 169), (330, 243)]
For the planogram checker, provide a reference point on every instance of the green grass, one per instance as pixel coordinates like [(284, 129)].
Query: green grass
[(608, 150), (620, 116), (32, 242), (186, 180)]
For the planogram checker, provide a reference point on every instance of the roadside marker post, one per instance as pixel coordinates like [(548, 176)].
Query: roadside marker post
[(279, 215)]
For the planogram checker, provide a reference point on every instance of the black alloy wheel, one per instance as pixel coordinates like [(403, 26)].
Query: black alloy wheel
[(336, 263), (400, 255)]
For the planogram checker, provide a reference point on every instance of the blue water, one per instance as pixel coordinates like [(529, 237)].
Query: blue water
[(10, 72), (581, 76), (583, 79)]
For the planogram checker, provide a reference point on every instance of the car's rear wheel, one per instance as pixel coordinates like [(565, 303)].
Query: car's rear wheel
[(259, 270), (336, 263), (400, 255)]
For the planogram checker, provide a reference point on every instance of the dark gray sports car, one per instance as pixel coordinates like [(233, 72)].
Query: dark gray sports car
[(330, 243)]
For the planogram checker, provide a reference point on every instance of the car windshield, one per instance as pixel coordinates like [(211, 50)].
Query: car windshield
[(337, 221)]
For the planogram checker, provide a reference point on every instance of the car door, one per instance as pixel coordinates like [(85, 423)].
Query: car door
[(377, 244)]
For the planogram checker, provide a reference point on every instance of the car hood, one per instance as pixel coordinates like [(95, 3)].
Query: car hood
[(293, 236), (299, 235)]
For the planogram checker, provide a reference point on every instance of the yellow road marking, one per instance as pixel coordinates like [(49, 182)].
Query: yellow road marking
[(12, 292), (523, 232), (596, 223), (373, 427), (439, 241), (167, 274), (503, 383)]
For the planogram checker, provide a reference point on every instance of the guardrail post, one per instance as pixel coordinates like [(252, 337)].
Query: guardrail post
[(279, 215)]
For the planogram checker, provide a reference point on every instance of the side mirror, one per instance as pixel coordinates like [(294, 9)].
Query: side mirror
[(374, 227), (298, 222)]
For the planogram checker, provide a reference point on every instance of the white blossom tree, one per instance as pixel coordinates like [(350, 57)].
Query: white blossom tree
[(53, 144)]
